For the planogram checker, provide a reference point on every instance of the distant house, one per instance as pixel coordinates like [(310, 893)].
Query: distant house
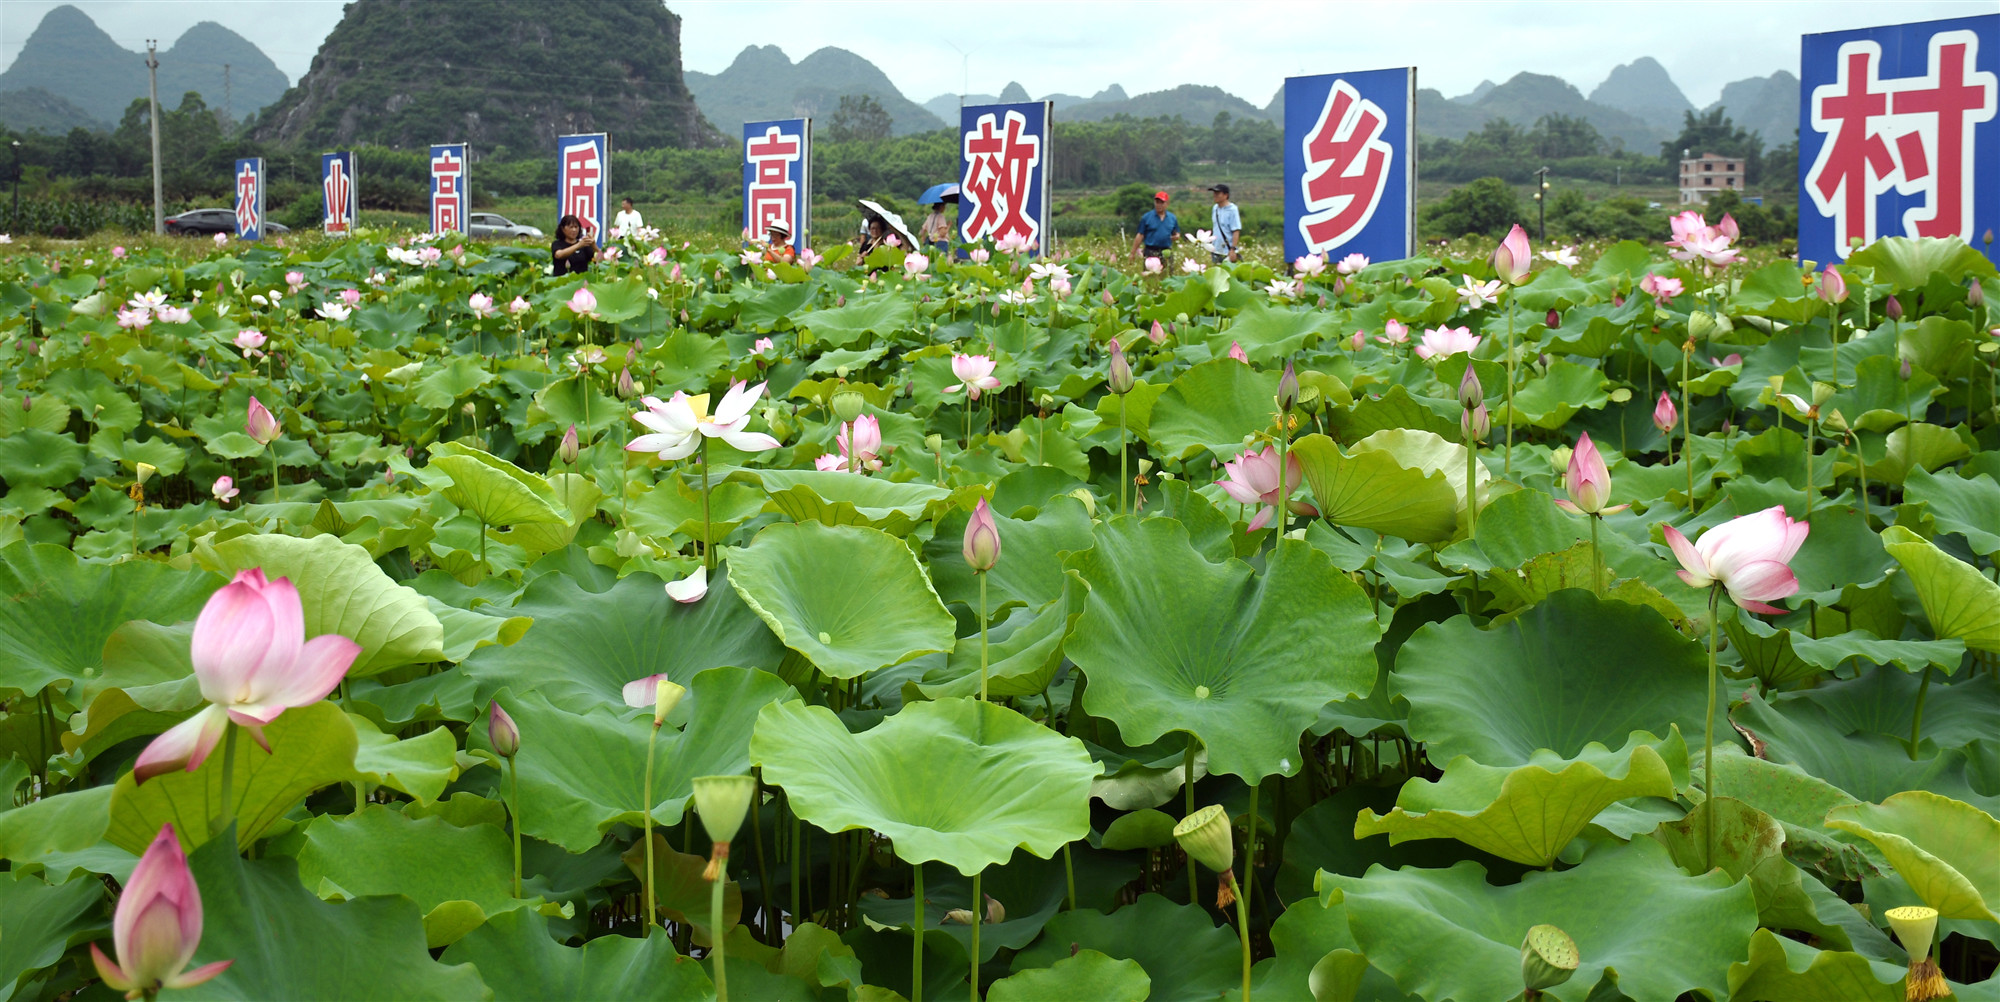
[(1707, 174)]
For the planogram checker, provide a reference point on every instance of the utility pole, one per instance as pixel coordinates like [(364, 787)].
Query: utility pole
[(153, 90)]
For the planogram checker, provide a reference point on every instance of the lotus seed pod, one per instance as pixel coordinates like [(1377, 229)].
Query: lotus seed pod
[(1205, 837), (1701, 326), (847, 406), (1916, 928), (146, 471), (1548, 958), (667, 695), (723, 801), (1089, 500), (933, 442)]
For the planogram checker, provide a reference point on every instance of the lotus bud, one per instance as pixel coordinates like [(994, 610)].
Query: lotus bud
[(1288, 388), (1916, 928), (27, 403), (626, 388), (982, 538), (1158, 334), (1206, 838), (1665, 414), (1548, 958), (501, 732), (1120, 378), (1470, 393), (1988, 237), (568, 450), (1553, 321), (1893, 308), (260, 424), (1475, 424), (847, 406), (1106, 297), (1904, 371), (146, 471), (722, 801)]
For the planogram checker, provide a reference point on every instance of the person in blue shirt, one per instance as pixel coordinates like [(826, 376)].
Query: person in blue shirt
[(1157, 230), (1227, 224)]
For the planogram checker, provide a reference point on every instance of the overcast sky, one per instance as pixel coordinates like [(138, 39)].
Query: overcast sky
[(1246, 47)]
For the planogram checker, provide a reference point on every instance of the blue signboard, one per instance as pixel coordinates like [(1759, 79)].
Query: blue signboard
[(777, 178), (1351, 164), (250, 198), (341, 206), (1004, 173), (583, 180), (448, 188), (1898, 135)]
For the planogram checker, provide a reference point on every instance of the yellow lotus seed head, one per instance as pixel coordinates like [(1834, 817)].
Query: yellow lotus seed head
[(1205, 836), (1548, 958)]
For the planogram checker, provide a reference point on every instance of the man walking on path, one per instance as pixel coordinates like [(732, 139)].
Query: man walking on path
[(628, 220), (1157, 230), (1227, 224)]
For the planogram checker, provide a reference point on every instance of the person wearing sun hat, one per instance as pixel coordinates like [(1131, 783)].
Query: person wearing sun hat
[(778, 243), (1157, 230)]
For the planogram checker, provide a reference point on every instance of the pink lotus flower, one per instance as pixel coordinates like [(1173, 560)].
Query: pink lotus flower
[(1833, 286), (1236, 352), (982, 538), (866, 442), (518, 306), (1728, 227), (583, 303), (1514, 257), (1058, 287), (1588, 482), (221, 239), (118, 252), (350, 297), (176, 315), (1661, 288), (1444, 342), (690, 589), (1749, 556), (1279, 288), (1475, 423), (428, 256), (1723, 363), (157, 926), (809, 258), (975, 375), (1686, 224), (1154, 266), (501, 731), (253, 662), (656, 257), (894, 240), (612, 253), (249, 340), (645, 694), (916, 264), (763, 345), (1157, 334), (1393, 333), (295, 280), (675, 274), (1352, 263), (678, 425), (1360, 338), (1013, 243), (1477, 293), (1311, 264), (481, 304), (1252, 478), (980, 255), (224, 489), (260, 424), (137, 320), (1665, 414), (1190, 266)]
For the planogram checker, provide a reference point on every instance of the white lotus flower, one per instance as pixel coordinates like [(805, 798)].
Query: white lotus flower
[(678, 425)]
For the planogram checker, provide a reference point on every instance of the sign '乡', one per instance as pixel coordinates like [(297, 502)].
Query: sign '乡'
[(1349, 164), (1898, 134)]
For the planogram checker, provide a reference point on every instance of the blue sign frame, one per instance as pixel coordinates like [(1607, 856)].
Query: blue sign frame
[(588, 157), (340, 202), (1003, 172), (783, 145), (249, 182), (1899, 135), (1351, 164), (451, 201)]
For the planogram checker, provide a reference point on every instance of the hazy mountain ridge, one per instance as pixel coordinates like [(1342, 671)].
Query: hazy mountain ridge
[(73, 60), (763, 83), (1645, 90)]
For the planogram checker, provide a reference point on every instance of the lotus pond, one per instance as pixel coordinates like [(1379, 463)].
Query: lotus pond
[(385, 619)]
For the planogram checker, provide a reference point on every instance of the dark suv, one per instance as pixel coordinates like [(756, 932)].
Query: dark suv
[(201, 222)]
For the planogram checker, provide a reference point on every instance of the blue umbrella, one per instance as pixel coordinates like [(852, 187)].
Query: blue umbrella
[(938, 193)]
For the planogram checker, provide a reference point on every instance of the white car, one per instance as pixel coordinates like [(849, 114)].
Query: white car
[(487, 224)]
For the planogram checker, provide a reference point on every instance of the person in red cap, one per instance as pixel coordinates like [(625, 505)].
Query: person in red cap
[(1157, 230)]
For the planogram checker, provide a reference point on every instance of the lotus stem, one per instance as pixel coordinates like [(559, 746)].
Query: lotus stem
[(1508, 462), (715, 927), (276, 496), (982, 653), (797, 850), (514, 815), (978, 915), (1124, 478), (1917, 720), (1708, 733), (228, 815), (1812, 432), (917, 954), (707, 545), (645, 806), (1187, 785), (1596, 557), (1250, 844), (757, 836), (1687, 424), (1471, 485), (1243, 931)]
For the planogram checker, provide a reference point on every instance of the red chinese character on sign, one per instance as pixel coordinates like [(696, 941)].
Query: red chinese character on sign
[(446, 171), (999, 179), (246, 198), (1347, 168), (582, 176), (339, 192), (773, 192), (1912, 134)]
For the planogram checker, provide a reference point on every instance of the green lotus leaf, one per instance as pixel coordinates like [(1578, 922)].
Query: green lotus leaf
[(1915, 447), (1241, 660), (65, 823), (36, 458), (1396, 410), (258, 913), (419, 766), (1799, 802), (1968, 506), (929, 781), (1785, 970), (450, 381), (1030, 569), (57, 611), (877, 609), (458, 877), (1213, 406), (128, 452), (582, 773), (1141, 829), (630, 631), (37, 922), (311, 747), (1750, 843), (1270, 335), (837, 498), (45, 412), (1322, 838), (1372, 490), (1912, 262), (1943, 847), (1550, 401), (1882, 701), (1525, 813), (1179, 946), (674, 508), (343, 592), (496, 491), (1865, 763), (1030, 890), (886, 314), (1024, 652), (1960, 602), (579, 498), (1085, 976), (1430, 453), (1449, 934), (1565, 673), (521, 960)]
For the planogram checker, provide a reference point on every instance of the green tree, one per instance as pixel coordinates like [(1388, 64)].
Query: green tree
[(1558, 136), (1487, 206), (859, 118)]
